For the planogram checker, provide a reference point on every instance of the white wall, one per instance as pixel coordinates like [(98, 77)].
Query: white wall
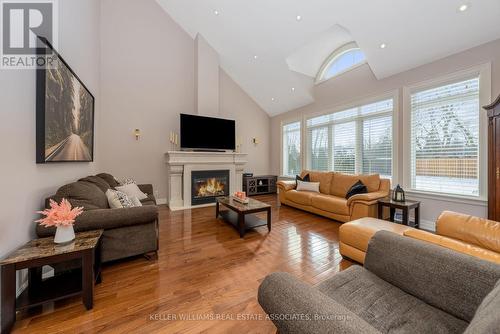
[(360, 83), (206, 70), (251, 122), (25, 183)]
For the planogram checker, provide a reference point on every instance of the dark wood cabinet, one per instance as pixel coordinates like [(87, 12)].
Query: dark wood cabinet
[(494, 160), (259, 185)]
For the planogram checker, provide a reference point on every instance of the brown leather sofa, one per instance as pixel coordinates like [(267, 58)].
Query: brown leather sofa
[(330, 201), (127, 231), (463, 233)]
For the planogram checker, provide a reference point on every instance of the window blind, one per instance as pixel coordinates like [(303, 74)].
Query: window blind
[(356, 140), (445, 138), (292, 164)]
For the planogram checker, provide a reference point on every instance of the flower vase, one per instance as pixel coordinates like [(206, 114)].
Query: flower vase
[(64, 234)]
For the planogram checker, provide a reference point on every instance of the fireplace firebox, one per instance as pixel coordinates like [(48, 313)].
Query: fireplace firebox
[(207, 185)]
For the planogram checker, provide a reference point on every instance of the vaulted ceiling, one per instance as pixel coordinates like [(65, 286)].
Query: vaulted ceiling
[(274, 55)]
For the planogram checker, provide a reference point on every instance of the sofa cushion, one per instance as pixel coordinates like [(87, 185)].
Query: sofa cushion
[(456, 245), (331, 204), (473, 230), (385, 307), (300, 197), (110, 179), (358, 233), (100, 182), (487, 317), (84, 194), (324, 179), (341, 183)]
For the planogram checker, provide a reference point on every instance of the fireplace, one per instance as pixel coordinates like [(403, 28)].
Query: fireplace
[(207, 185)]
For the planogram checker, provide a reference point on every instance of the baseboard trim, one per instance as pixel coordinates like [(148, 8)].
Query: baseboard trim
[(161, 201), (427, 225)]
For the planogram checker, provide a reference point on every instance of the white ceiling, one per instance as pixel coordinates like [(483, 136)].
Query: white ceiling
[(416, 33)]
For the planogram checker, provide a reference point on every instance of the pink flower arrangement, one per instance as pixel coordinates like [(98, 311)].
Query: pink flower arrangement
[(59, 214)]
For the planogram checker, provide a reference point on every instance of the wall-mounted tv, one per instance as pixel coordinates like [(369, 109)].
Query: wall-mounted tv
[(207, 133)]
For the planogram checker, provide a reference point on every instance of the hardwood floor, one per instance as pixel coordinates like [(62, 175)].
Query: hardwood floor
[(203, 270)]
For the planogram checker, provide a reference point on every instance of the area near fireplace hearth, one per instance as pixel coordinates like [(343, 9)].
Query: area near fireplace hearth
[(195, 179)]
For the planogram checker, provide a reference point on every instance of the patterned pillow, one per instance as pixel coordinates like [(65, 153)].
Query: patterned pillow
[(128, 181), (118, 199)]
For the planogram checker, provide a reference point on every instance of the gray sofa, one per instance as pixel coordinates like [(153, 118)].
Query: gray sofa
[(406, 286), (127, 231)]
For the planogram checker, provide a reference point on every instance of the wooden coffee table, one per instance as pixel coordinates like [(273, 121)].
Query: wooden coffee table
[(241, 216), (39, 252)]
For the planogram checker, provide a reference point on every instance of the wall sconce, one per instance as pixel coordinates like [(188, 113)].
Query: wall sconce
[(137, 134)]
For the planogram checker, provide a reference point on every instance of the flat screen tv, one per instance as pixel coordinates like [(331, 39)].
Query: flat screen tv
[(207, 133)]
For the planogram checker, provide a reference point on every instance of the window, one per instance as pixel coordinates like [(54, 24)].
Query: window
[(444, 126), (357, 140), (292, 163), (343, 59)]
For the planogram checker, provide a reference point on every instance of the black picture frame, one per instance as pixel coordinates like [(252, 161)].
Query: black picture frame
[(85, 152)]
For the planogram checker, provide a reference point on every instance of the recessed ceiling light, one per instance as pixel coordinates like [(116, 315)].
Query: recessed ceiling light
[(272, 99), (216, 12), (298, 17), (383, 46), (255, 57), (463, 8), (293, 89)]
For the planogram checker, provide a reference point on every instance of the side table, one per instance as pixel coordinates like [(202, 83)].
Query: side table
[(405, 206), (39, 252)]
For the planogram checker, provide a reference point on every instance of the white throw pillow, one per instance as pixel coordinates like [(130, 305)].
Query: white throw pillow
[(135, 201), (132, 190), (118, 199), (307, 186)]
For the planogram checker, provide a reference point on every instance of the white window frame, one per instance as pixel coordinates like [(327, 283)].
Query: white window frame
[(336, 54), (394, 95), (484, 73), (283, 124)]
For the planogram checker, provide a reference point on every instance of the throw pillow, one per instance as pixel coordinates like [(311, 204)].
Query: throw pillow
[(127, 181), (132, 190), (135, 201), (118, 199), (307, 186), (306, 178), (357, 188)]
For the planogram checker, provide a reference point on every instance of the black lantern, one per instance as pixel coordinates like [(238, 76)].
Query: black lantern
[(398, 194)]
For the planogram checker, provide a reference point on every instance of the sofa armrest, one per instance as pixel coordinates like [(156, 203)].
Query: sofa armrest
[(453, 282), (296, 307), (146, 188), (368, 197), (108, 219), (286, 185)]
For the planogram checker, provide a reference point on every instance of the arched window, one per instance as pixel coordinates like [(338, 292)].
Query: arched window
[(341, 60)]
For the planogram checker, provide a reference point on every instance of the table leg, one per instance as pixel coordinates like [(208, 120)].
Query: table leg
[(241, 224), (380, 211), (393, 212), (217, 209), (34, 280), (8, 297), (97, 262), (406, 219), (417, 217), (269, 215), (88, 279)]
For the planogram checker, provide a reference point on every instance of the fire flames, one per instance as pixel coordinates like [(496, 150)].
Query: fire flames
[(211, 187)]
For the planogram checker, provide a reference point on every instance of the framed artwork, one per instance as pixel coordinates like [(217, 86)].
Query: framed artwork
[(64, 112)]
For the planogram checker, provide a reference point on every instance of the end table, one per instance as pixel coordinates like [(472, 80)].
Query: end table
[(405, 206), (39, 252)]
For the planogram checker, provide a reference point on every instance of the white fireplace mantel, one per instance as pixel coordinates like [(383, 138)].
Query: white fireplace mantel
[(182, 163)]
